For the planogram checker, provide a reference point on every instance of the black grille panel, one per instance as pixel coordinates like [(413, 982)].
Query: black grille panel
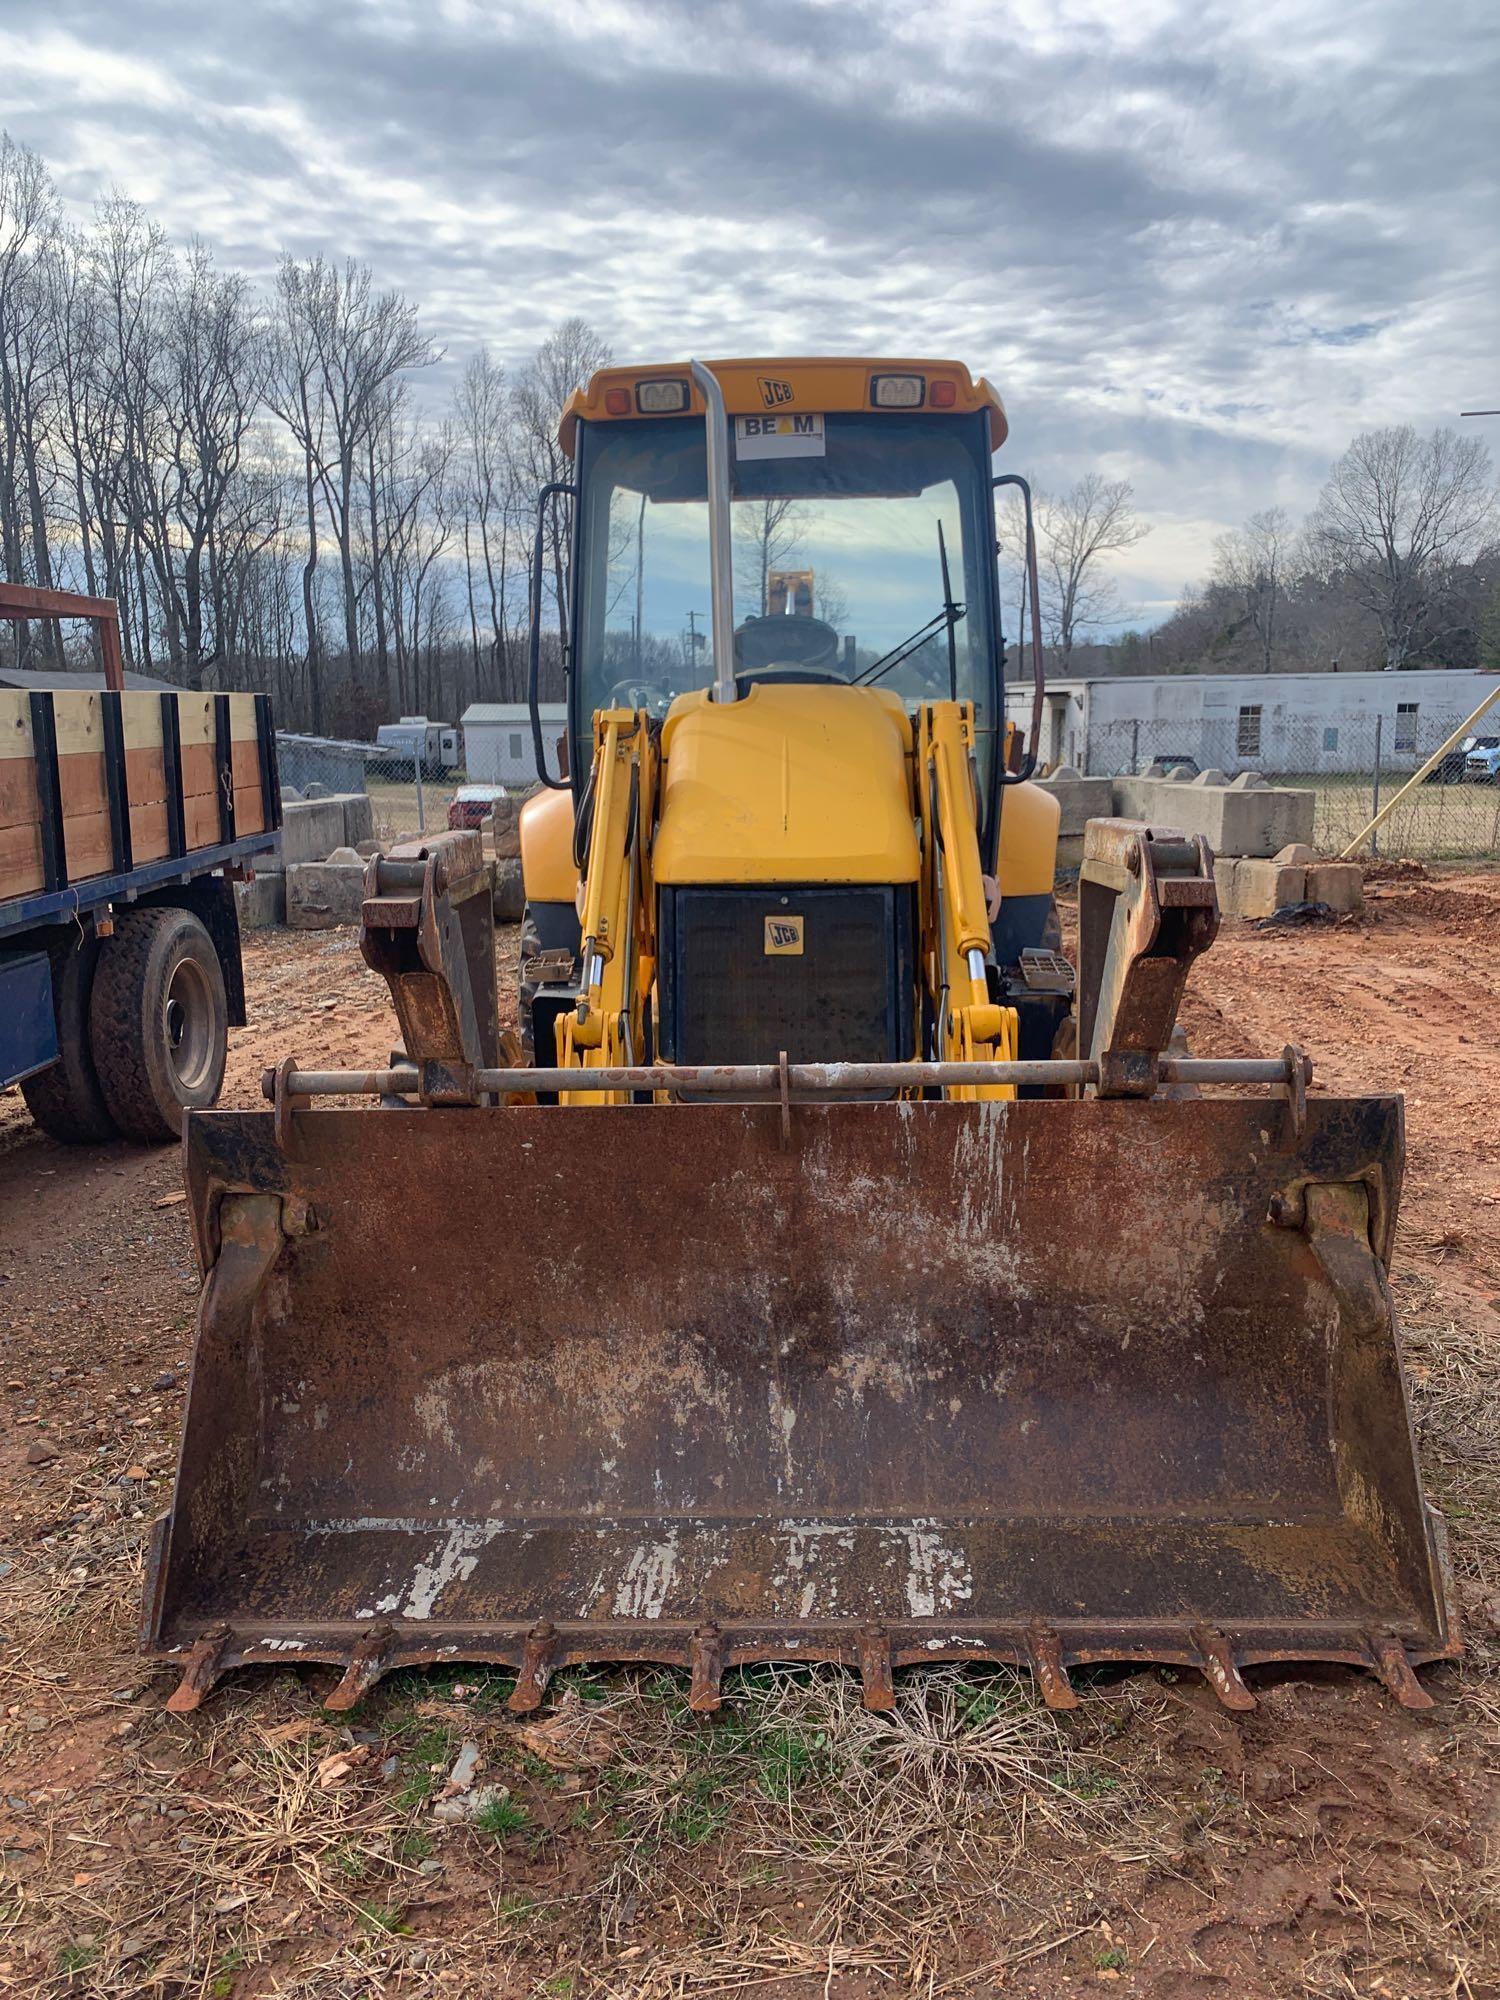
[(845, 997)]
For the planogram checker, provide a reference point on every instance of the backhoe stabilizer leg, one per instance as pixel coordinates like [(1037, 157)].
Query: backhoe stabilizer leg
[(1147, 907)]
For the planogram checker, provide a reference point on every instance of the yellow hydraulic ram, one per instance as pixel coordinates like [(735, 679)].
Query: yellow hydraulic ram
[(605, 1028), (956, 924)]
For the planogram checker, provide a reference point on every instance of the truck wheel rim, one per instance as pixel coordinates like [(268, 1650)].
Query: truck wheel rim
[(189, 1025)]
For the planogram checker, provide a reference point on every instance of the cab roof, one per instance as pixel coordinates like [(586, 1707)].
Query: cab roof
[(808, 383)]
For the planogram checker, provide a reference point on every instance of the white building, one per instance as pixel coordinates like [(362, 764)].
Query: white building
[(497, 741), (1278, 723)]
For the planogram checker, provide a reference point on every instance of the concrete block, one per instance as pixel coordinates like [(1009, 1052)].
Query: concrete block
[(510, 891), (262, 903), (359, 817), (1250, 781), (1262, 887), (345, 857), (1296, 854), (1210, 777), (1080, 800), (1234, 820), (368, 849), (315, 790), (1339, 884), (1225, 866), (311, 829), (321, 895), (505, 830)]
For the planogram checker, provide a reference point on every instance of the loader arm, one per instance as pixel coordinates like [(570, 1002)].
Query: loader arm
[(607, 1026), (956, 924)]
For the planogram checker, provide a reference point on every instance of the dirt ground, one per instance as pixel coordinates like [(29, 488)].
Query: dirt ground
[(972, 1843)]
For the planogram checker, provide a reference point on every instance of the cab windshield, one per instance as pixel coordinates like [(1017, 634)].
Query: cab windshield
[(862, 553)]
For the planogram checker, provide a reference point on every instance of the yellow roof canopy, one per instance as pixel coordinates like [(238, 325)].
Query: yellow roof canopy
[(811, 384)]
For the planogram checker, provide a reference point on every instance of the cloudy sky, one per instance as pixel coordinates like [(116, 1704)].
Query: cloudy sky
[(1195, 245)]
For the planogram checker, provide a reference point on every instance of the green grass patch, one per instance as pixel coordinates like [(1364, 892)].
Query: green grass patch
[(501, 1817), (221, 1986), (350, 1862), (787, 1759), (383, 1919), (699, 1812)]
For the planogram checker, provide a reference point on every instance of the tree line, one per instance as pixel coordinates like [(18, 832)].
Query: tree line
[(251, 475), (1397, 566), (256, 479)]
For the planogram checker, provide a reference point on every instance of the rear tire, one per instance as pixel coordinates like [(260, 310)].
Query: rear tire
[(65, 1098), (159, 1022)]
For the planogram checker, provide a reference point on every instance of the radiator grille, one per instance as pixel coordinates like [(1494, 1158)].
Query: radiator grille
[(742, 979)]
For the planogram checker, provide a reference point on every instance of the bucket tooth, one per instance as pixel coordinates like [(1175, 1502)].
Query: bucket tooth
[(200, 1670), (1221, 1670), (366, 1664), (875, 1668), (706, 1658), (1395, 1670), (536, 1668), (1044, 1649)]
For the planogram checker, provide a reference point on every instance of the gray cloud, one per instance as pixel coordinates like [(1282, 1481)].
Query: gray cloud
[(1198, 245)]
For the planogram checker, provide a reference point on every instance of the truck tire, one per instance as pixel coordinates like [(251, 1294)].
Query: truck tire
[(158, 1022), (65, 1099)]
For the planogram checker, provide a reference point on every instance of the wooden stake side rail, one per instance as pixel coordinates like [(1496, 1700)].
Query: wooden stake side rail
[(95, 783)]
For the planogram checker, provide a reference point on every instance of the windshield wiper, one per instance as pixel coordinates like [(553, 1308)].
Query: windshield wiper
[(948, 617)]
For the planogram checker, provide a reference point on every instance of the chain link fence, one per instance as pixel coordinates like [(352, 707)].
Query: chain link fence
[(408, 795), (1353, 763), (408, 798)]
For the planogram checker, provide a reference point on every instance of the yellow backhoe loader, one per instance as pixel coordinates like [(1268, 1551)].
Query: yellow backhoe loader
[(846, 1276)]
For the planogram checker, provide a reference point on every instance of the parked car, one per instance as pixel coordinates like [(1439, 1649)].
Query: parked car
[(1482, 760), (1453, 767), (471, 805), (1164, 760)]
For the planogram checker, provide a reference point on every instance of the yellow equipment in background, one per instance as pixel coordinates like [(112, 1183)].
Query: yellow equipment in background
[(845, 1278)]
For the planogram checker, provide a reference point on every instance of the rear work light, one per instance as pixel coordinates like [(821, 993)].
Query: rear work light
[(941, 395), (617, 402), (660, 399), (897, 392)]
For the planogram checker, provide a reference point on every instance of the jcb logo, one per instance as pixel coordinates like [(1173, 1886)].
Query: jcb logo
[(774, 393), (783, 937)]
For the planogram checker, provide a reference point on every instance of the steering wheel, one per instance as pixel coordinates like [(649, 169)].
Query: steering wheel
[(786, 649), (656, 697)]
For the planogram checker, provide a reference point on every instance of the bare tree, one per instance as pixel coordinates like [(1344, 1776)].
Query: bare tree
[(28, 222), (1076, 531), (491, 504), (565, 360), (294, 394), (213, 373), (766, 533), (1250, 565), (1398, 511)]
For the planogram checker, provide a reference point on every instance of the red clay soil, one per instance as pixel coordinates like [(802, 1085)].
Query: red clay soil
[(1327, 1843)]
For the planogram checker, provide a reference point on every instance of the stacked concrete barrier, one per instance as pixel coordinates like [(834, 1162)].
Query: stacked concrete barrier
[(1237, 816), (1260, 833), (301, 884)]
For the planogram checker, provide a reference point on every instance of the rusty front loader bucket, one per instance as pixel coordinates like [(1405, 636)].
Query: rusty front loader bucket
[(1045, 1382)]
